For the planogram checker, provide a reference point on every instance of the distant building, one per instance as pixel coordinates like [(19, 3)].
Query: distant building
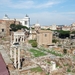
[(72, 27), (33, 32), (45, 27), (66, 28), (53, 27), (37, 26), (25, 21), (59, 27), (44, 37), (72, 31)]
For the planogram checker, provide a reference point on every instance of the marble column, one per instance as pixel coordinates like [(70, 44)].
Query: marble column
[(17, 38), (18, 58), (14, 38), (53, 65), (23, 38), (15, 57), (11, 52), (11, 39)]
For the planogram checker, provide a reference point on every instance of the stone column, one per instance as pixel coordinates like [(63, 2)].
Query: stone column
[(17, 38), (15, 57), (11, 52), (18, 57), (23, 38), (20, 39), (14, 38), (11, 39), (53, 65)]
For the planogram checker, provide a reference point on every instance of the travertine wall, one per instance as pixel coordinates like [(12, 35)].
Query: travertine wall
[(44, 37), (5, 26)]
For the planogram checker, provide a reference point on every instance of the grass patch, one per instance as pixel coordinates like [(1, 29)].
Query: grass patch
[(54, 53), (37, 53), (31, 41), (48, 62), (37, 69), (68, 70), (3, 39), (51, 51)]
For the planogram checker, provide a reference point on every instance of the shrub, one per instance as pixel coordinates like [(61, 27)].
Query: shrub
[(31, 41), (65, 51), (54, 41), (34, 44), (68, 70)]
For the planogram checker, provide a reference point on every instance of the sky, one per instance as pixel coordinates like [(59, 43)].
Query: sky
[(46, 12)]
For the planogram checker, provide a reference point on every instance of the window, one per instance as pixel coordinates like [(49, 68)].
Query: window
[(2, 30), (25, 22), (16, 40), (45, 35)]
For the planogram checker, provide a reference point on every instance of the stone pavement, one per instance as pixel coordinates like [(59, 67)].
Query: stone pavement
[(5, 55)]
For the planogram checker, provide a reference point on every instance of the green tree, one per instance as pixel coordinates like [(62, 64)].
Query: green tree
[(54, 41), (65, 51), (13, 27), (24, 27), (63, 34), (34, 44), (18, 27)]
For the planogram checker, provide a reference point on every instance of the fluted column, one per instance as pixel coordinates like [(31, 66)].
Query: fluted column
[(11, 52), (23, 38), (15, 57), (17, 38), (14, 38), (11, 39), (18, 58)]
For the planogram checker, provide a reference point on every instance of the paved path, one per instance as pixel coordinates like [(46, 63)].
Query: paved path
[(5, 55)]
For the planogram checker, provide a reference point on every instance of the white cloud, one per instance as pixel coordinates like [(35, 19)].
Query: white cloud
[(5, 2), (47, 4), (48, 18), (20, 4)]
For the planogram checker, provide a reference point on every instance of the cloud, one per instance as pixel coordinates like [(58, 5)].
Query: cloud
[(5, 2), (27, 4), (47, 4), (23, 4), (49, 18)]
